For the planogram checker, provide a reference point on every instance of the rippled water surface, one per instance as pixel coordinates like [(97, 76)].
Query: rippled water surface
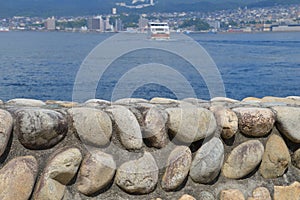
[(43, 65)]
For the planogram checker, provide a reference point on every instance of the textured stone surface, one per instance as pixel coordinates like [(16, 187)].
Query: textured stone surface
[(93, 126), (26, 102), (255, 121), (187, 197), (59, 171), (296, 159), (138, 176), (17, 178), (66, 104), (227, 121), (204, 195), (243, 159), (154, 129), (260, 193), (208, 161), (40, 128), (224, 99), (127, 101), (275, 159), (6, 124), (96, 102), (96, 172), (291, 101), (189, 123), (287, 122), (178, 166), (251, 99), (291, 192), (128, 127), (232, 194), (158, 100)]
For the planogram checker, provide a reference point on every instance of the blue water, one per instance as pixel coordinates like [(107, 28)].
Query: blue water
[(43, 65)]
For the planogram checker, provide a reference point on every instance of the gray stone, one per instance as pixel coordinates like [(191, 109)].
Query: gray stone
[(159, 100), (155, 130), (96, 172), (204, 195), (178, 166), (97, 102), (130, 101), (40, 128), (65, 104), (189, 123), (287, 122), (128, 127), (93, 126), (224, 99), (26, 102), (227, 121), (255, 122), (243, 159), (276, 158), (60, 170), (208, 161), (17, 178), (296, 158), (138, 176), (6, 124)]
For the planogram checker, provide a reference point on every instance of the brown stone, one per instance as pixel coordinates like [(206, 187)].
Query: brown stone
[(93, 126), (59, 171), (291, 192), (189, 123), (275, 159), (17, 178), (243, 159), (96, 172), (255, 122), (187, 197), (227, 121), (260, 193), (138, 176), (232, 194), (178, 166)]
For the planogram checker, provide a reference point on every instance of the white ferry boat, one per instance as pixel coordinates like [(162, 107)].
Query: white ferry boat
[(4, 29), (158, 30)]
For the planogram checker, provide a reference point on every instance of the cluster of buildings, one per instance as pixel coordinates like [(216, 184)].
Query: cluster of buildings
[(278, 18)]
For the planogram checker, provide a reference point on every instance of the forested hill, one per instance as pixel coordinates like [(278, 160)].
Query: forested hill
[(90, 7)]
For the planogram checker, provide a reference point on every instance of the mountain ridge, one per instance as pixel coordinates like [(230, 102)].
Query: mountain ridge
[(81, 7)]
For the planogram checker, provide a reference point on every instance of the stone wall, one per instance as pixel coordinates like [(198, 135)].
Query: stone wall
[(157, 149)]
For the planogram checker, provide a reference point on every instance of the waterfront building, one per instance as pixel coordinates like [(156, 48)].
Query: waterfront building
[(143, 24), (50, 24)]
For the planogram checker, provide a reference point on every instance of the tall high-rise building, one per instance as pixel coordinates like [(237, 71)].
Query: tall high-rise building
[(107, 24), (118, 25), (96, 24), (50, 24)]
